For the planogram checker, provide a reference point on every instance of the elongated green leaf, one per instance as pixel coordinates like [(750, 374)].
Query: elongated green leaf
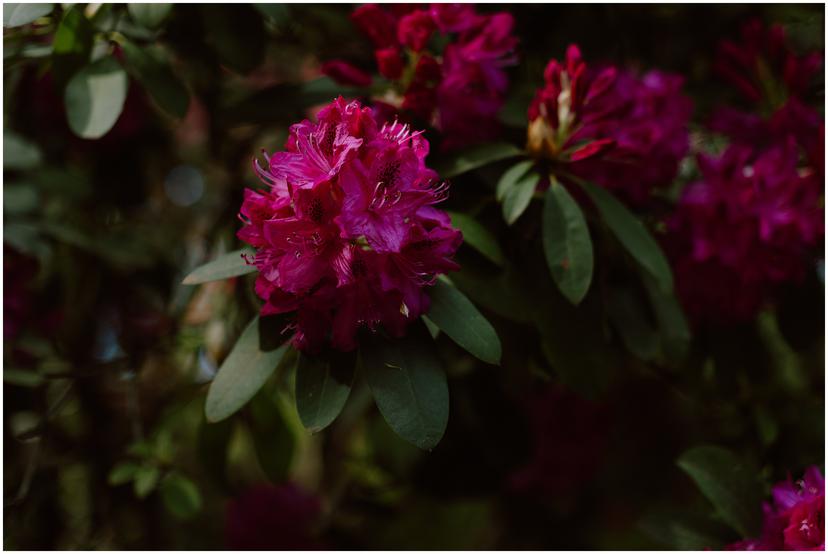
[(225, 266), (409, 385), (730, 485), (457, 317), (180, 495), (673, 328), (474, 157), (159, 80), (146, 479), (15, 15), (519, 196), (95, 97), (510, 177), (630, 319), (72, 44), (242, 374), (323, 384), (123, 473), (478, 237), (566, 243), (632, 234), (150, 16), (273, 438), (18, 152)]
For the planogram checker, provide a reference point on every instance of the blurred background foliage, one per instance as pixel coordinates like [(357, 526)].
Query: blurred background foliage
[(128, 137)]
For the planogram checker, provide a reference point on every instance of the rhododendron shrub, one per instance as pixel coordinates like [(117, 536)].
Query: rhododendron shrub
[(445, 64)]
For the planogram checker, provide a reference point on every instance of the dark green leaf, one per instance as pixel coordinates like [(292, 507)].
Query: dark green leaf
[(19, 152), (323, 384), (213, 444), (457, 317), (237, 34), (279, 13), (242, 374), (511, 176), (22, 377), (686, 530), (15, 15), (20, 198), (566, 243), (674, 331), (150, 16), (408, 384), (630, 319), (474, 157), (730, 484), (180, 495), (632, 235), (95, 97), (272, 436), (123, 473), (519, 196), (478, 237), (146, 479), (502, 293), (158, 78), (72, 44), (225, 266)]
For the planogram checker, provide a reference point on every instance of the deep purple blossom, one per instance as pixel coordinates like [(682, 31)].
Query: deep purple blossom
[(752, 223), (622, 131), (459, 89), (267, 517), (345, 232), (795, 519)]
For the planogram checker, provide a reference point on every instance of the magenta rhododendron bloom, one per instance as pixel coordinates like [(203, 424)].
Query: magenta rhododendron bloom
[(267, 517), (795, 519), (764, 67), (751, 223), (622, 131), (461, 87), (346, 232)]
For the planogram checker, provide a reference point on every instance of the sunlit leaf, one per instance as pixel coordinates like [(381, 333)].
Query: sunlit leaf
[(95, 97), (15, 14)]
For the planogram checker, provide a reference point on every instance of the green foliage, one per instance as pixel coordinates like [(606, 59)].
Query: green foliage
[(158, 78), (518, 197), (273, 438), (19, 153), (150, 16), (409, 385), (231, 264), (72, 44), (15, 14), (237, 34), (180, 495), (478, 237), (457, 317), (242, 374), (95, 97), (730, 484), (566, 243), (475, 157), (510, 178), (323, 384)]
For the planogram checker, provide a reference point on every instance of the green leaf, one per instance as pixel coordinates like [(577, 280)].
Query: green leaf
[(279, 13), (408, 384), (273, 438), (729, 483), (242, 374), (631, 321), (19, 152), (478, 237), (237, 34), (323, 384), (511, 176), (686, 530), (95, 97), (180, 495), (146, 479), (158, 78), (457, 317), (15, 15), (673, 329), (566, 243), (632, 234), (225, 266), (150, 16), (519, 196), (20, 198), (123, 473), (213, 444), (476, 156), (22, 377), (72, 44)]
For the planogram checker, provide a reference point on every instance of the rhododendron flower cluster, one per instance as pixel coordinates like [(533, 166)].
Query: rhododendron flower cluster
[(622, 131), (751, 223), (795, 519), (460, 88), (346, 232)]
